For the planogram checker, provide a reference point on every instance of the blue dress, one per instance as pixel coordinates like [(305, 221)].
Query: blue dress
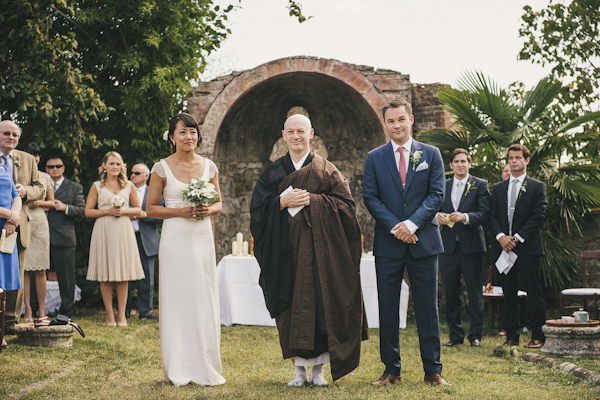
[(9, 263)]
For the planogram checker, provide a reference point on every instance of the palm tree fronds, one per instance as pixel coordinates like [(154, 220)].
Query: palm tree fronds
[(537, 100), (592, 116), (560, 261)]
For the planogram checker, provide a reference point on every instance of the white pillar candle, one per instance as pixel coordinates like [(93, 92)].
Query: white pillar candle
[(245, 248), (239, 238), (234, 248)]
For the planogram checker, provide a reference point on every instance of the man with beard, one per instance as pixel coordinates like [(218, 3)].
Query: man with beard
[(307, 242)]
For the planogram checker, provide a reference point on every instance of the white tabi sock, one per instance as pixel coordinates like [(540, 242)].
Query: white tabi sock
[(301, 377), (317, 376)]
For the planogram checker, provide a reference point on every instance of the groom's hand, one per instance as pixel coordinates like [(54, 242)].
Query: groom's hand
[(403, 233)]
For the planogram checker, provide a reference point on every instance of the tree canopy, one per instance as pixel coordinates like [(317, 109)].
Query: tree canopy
[(80, 76), (566, 36)]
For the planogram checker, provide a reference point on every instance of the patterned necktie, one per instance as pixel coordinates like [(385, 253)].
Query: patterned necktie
[(8, 164), (402, 167), (56, 187), (511, 204), (456, 195)]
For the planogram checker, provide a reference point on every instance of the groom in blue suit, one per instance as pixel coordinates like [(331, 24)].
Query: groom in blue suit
[(403, 189)]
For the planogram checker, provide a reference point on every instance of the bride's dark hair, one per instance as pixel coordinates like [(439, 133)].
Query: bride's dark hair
[(188, 121)]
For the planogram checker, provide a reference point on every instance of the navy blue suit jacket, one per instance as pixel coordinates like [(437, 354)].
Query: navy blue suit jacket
[(418, 202), (476, 203), (149, 231)]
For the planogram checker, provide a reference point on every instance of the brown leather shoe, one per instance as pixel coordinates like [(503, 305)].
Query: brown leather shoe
[(510, 343), (387, 378), (436, 379), (535, 344)]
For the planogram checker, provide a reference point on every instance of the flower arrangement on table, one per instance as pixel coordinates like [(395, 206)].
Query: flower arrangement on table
[(199, 192)]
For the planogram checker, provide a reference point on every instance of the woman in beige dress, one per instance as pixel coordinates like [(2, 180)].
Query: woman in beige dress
[(114, 256), (38, 252)]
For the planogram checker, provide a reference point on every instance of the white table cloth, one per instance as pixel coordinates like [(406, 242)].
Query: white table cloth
[(53, 301), (242, 300)]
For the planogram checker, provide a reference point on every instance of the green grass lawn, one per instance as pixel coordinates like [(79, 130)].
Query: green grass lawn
[(124, 363)]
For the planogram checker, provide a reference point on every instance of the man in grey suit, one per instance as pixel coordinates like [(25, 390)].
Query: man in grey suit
[(69, 204), (146, 234), (465, 209)]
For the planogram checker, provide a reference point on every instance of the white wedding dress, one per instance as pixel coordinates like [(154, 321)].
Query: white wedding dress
[(190, 326)]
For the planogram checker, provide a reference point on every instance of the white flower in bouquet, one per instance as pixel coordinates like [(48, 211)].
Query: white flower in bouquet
[(199, 192), (117, 201)]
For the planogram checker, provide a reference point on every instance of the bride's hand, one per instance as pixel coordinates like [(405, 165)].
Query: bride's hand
[(202, 211), (114, 211), (190, 212)]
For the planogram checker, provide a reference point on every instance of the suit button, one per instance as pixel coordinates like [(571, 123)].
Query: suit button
[(405, 205)]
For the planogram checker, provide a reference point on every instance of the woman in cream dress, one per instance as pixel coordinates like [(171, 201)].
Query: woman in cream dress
[(190, 328), (38, 252), (114, 256)]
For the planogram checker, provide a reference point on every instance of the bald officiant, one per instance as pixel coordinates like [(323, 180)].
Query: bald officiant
[(307, 242)]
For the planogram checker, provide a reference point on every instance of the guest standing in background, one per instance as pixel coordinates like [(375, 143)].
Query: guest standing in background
[(38, 253), (505, 172), (10, 208), (465, 209), (147, 237), (24, 174), (518, 209), (114, 256), (68, 206)]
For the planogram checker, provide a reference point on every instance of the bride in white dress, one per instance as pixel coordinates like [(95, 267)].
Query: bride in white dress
[(190, 327)]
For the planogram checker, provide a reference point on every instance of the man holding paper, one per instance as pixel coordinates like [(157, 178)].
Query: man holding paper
[(307, 242), (518, 208), (465, 209)]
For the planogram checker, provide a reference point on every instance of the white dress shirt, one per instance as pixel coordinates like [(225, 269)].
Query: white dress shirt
[(412, 227), (141, 191), (513, 181)]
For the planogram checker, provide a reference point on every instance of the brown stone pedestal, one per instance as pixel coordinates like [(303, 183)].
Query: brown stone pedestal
[(45, 336), (572, 342)]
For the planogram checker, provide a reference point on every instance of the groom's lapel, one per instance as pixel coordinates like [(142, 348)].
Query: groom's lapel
[(390, 161), (411, 168)]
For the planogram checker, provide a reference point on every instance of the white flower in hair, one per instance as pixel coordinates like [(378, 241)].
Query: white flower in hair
[(166, 136)]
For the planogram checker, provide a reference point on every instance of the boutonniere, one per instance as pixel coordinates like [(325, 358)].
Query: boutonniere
[(523, 188), (415, 158), (17, 160), (470, 185)]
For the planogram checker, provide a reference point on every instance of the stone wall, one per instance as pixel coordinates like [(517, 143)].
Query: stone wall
[(242, 116)]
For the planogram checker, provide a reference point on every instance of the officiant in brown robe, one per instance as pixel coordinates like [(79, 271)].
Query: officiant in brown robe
[(307, 242)]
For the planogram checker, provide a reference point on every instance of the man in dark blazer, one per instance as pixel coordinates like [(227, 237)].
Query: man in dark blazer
[(403, 189), (146, 234), (518, 208), (69, 204), (465, 209), (25, 176)]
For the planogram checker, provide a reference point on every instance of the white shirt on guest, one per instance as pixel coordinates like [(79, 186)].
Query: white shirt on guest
[(141, 191)]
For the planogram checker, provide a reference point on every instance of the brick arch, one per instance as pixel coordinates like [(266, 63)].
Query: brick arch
[(242, 83)]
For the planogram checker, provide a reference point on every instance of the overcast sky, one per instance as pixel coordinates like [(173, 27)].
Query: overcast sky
[(431, 40)]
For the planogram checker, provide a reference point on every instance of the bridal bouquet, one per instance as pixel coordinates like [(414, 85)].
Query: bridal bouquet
[(117, 201), (199, 192)]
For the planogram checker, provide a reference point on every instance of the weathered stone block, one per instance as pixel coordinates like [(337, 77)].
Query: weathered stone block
[(45, 336), (572, 342)]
